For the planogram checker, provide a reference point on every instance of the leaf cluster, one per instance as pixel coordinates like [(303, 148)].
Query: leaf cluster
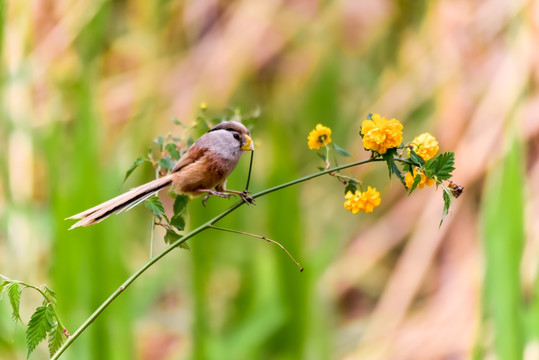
[(44, 323), (438, 168)]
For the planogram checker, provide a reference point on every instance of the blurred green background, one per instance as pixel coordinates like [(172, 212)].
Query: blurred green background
[(87, 85)]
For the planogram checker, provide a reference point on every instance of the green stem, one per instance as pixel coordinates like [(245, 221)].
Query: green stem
[(188, 236), (152, 236)]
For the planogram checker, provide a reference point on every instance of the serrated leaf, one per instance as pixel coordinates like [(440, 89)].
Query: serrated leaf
[(178, 222), (166, 163), (340, 150), (159, 141), (155, 205), (172, 149), (440, 166), (137, 162), (417, 180), (448, 200), (56, 338), (14, 293), (416, 159), (40, 323), (180, 203)]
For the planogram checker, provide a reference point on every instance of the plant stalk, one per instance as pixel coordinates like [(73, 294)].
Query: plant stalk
[(180, 241)]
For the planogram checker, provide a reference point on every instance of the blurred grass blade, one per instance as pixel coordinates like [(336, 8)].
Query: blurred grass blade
[(503, 238)]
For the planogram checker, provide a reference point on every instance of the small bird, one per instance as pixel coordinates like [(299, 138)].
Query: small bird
[(203, 169)]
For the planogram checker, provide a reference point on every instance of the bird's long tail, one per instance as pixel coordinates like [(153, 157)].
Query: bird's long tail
[(120, 203)]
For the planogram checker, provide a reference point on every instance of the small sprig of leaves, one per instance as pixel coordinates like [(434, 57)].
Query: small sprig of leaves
[(44, 323), (438, 168)]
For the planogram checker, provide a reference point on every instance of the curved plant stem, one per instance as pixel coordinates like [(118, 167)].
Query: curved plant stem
[(262, 238), (188, 236)]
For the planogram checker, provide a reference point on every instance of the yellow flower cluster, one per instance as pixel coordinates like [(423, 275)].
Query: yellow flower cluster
[(362, 201), (319, 137), (409, 178), (380, 134), (425, 145)]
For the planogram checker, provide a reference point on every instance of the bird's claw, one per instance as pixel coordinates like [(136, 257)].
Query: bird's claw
[(246, 197)]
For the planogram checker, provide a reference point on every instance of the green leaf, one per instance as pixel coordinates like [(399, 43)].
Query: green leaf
[(351, 186), (40, 323), (391, 167), (176, 121), (56, 338), (155, 205), (180, 203), (14, 293), (340, 150), (159, 142), (416, 159), (440, 166), (171, 236), (448, 200), (369, 117), (51, 296), (417, 180), (178, 222), (137, 162), (172, 149), (166, 163), (397, 172), (3, 287)]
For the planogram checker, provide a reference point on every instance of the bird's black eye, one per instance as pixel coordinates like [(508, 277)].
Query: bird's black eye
[(236, 136)]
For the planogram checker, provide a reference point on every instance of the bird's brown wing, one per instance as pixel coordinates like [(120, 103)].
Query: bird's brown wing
[(194, 154)]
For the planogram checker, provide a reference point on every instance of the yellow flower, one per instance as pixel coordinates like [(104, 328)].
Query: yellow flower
[(319, 137), (409, 178), (362, 201), (380, 134), (203, 105), (425, 145)]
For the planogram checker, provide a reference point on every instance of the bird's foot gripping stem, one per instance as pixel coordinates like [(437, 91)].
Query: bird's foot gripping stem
[(215, 193), (244, 195)]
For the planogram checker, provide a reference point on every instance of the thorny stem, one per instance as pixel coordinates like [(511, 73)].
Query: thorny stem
[(188, 236), (263, 238)]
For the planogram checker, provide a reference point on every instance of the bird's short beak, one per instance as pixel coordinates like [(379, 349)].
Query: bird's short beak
[(248, 145)]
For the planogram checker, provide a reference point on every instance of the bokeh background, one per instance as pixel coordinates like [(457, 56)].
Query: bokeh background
[(87, 85)]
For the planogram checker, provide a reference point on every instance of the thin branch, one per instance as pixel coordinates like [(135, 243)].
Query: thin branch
[(263, 238), (188, 236), (250, 168)]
